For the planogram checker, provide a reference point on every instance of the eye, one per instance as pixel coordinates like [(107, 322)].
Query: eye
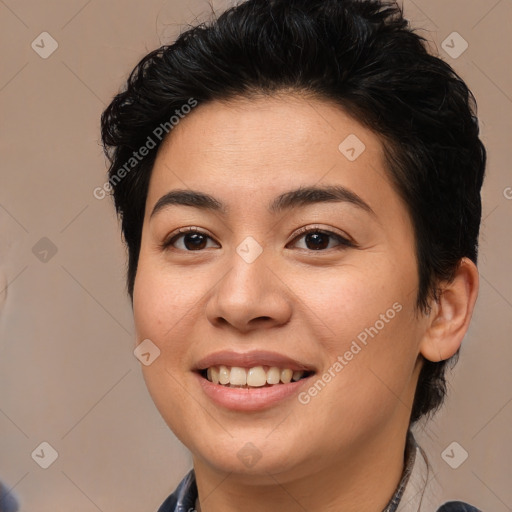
[(318, 239), (193, 239)]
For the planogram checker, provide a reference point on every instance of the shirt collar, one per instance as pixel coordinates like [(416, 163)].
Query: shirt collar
[(412, 484)]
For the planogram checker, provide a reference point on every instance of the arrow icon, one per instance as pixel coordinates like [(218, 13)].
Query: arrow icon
[(146, 352), (247, 460), (454, 45), (44, 45), (44, 250), (249, 455), (454, 455), (351, 147), (249, 249), (44, 455)]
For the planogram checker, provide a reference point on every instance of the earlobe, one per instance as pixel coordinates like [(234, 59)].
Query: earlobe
[(452, 313)]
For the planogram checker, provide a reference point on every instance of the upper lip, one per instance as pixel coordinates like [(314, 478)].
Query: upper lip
[(251, 359)]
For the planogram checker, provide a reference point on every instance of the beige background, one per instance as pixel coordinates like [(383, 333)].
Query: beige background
[(67, 372)]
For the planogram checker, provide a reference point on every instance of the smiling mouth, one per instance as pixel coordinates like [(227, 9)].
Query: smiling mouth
[(255, 377)]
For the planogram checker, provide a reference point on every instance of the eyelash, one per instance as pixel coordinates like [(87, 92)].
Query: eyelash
[(344, 242)]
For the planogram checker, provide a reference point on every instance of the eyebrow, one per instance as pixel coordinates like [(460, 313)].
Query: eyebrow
[(302, 196)]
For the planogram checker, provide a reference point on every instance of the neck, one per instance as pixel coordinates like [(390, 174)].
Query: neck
[(363, 478)]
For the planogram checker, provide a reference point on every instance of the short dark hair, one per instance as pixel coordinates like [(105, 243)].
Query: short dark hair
[(359, 54)]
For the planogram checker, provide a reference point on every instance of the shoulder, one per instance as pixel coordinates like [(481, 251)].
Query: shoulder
[(457, 506)]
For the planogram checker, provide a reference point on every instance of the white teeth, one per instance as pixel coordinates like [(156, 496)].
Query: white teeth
[(238, 376), (297, 376), (286, 376), (214, 375), (223, 375), (273, 375), (256, 377)]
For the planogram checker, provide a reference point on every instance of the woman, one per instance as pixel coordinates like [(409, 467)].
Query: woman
[(299, 188)]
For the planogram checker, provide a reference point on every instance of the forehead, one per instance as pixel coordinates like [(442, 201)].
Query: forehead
[(256, 148)]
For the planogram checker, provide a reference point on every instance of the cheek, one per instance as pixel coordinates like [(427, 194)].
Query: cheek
[(161, 299), (160, 306), (366, 317), (350, 299)]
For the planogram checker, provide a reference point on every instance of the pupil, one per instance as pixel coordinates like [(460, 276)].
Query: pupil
[(314, 237), (196, 238)]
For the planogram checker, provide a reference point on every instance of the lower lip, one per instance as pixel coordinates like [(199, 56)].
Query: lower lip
[(249, 399)]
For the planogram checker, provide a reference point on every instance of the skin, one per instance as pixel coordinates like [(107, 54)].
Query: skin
[(344, 449)]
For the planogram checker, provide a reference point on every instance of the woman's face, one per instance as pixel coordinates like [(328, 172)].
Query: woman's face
[(249, 290)]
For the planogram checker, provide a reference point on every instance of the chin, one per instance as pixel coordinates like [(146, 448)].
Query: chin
[(257, 458)]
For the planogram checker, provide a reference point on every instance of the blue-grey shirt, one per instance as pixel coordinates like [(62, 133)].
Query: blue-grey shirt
[(411, 494)]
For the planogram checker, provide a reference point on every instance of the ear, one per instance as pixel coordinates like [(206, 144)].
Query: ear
[(451, 314)]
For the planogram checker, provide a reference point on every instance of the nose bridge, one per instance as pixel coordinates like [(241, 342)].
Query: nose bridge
[(249, 290), (248, 279), (250, 250)]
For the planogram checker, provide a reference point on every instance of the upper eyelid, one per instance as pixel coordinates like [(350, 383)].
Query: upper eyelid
[(183, 231), (314, 228)]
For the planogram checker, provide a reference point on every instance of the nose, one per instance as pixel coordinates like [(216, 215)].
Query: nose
[(251, 295)]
